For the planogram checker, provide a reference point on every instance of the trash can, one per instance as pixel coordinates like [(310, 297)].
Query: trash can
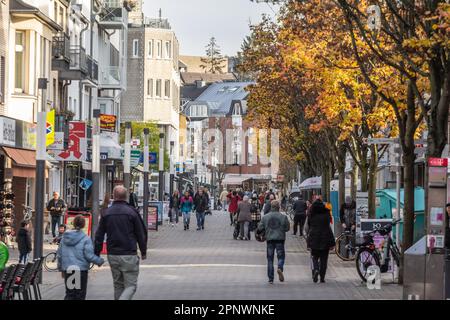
[(414, 271)]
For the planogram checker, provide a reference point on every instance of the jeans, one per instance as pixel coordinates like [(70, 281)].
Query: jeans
[(56, 222), (281, 255), (174, 214), (186, 218), (75, 293), (23, 257), (244, 229), (299, 219), (231, 217), (320, 261), (125, 272), (200, 219)]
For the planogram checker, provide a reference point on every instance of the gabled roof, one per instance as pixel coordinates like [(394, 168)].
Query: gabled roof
[(192, 92), (219, 97), (21, 7)]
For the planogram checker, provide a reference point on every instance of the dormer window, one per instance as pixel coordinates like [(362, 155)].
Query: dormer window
[(237, 109)]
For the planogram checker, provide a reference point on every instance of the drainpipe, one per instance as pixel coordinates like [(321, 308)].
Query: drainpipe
[(79, 83)]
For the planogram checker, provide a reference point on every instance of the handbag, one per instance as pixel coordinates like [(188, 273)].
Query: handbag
[(260, 236)]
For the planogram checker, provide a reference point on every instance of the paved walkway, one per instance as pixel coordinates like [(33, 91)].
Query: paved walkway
[(209, 264)]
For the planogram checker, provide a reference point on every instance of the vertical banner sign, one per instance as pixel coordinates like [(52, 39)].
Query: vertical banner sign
[(50, 128), (362, 209)]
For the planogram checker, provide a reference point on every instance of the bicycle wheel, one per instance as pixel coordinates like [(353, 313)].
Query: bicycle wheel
[(51, 262), (345, 247), (364, 259)]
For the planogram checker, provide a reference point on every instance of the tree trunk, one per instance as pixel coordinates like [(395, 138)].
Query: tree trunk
[(364, 177), (354, 179), (372, 183)]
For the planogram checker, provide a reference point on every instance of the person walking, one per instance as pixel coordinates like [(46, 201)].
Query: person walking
[(299, 208), (124, 230), (24, 241), (320, 238), (75, 254), (56, 206), (186, 207), (244, 217), (174, 207), (223, 199), (275, 225), (233, 200), (200, 205), (268, 204)]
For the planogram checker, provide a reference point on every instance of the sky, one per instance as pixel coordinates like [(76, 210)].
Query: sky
[(196, 21)]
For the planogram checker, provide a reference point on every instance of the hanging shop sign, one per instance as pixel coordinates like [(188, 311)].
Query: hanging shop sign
[(8, 132), (50, 128), (108, 122), (59, 142), (77, 150)]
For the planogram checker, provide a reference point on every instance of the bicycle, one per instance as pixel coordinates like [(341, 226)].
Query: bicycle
[(368, 255), (51, 262), (346, 248), (27, 213)]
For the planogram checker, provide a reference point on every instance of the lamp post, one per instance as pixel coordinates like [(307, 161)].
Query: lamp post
[(95, 169), (127, 157), (146, 171), (41, 155), (161, 167)]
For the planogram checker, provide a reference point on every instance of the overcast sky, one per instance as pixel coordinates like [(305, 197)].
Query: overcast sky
[(196, 21)]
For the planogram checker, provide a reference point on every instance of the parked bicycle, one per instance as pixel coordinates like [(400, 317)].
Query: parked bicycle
[(51, 262), (368, 255), (346, 247)]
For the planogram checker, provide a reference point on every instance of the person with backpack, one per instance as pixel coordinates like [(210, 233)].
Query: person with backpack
[(320, 238), (299, 208), (186, 207), (75, 255), (274, 225), (24, 241)]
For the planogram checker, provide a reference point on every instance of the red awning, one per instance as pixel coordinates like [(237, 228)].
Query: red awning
[(21, 157)]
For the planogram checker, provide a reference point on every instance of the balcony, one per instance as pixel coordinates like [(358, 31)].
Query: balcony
[(61, 52), (93, 69), (110, 78), (78, 68), (114, 14)]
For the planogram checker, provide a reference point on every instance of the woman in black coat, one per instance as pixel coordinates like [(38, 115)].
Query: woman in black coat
[(320, 238)]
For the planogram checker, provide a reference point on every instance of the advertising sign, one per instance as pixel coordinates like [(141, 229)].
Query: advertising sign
[(362, 208), (108, 122), (135, 157), (77, 150), (368, 225), (59, 142), (7, 132), (153, 158), (29, 135), (50, 128), (70, 216), (153, 212)]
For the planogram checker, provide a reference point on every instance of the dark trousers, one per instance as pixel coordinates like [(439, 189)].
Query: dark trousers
[(281, 256), (231, 217), (56, 222), (23, 258), (174, 214), (320, 261), (299, 220), (69, 281)]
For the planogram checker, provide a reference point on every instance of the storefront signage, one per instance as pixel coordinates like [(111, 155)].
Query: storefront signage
[(77, 150), (438, 162), (28, 135), (108, 122), (8, 132), (59, 142)]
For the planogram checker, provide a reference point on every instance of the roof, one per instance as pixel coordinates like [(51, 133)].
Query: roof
[(218, 97), (19, 6), (21, 157), (191, 77), (419, 197), (192, 92)]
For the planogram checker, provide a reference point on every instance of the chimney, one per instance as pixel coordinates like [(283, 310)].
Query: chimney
[(200, 83)]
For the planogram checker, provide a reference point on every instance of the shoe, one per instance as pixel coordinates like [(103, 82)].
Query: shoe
[(203, 228), (240, 238), (315, 276), (231, 224), (188, 227), (185, 228), (322, 280), (198, 229), (270, 281), (280, 275)]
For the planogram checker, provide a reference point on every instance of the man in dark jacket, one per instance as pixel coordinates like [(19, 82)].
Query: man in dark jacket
[(24, 241), (200, 206), (275, 225), (299, 215), (124, 229), (347, 214), (320, 238), (56, 206)]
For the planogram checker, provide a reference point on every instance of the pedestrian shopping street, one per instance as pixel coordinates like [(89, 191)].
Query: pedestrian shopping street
[(210, 264)]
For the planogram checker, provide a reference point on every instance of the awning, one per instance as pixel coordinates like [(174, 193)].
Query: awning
[(111, 147), (21, 157), (234, 180), (311, 183)]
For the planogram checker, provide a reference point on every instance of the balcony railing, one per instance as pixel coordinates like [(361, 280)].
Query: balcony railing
[(78, 59), (61, 46), (114, 15), (110, 77), (92, 67)]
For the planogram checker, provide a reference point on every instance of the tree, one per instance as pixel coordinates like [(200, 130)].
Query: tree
[(213, 63)]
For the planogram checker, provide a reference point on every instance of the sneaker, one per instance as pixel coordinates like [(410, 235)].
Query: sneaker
[(198, 229), (315, 276), (322, 280), (270, 281), (280, 275), (203, 228), (185, 228)]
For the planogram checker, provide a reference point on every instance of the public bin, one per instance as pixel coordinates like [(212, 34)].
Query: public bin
[(414, 271)]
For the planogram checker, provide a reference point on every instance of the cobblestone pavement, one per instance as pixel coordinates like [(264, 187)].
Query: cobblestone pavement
[(209, 264)]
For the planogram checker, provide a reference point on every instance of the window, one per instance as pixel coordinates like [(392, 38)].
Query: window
[(55, 11), (61, 16), (167, 88), (237, 109), (19, 71), (150, 49), (159, 49), (158, 87), (103, 108), (168, 50), (2, 79), (150, 87), (135, 48)]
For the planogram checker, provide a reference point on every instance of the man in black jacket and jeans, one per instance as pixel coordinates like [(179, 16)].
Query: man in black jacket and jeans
[(299, 214), (125, 230)]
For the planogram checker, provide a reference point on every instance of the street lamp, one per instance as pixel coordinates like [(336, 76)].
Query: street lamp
[(161, 167), (146, 172)]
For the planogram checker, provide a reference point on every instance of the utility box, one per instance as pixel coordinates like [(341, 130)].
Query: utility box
[(414, 271)]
